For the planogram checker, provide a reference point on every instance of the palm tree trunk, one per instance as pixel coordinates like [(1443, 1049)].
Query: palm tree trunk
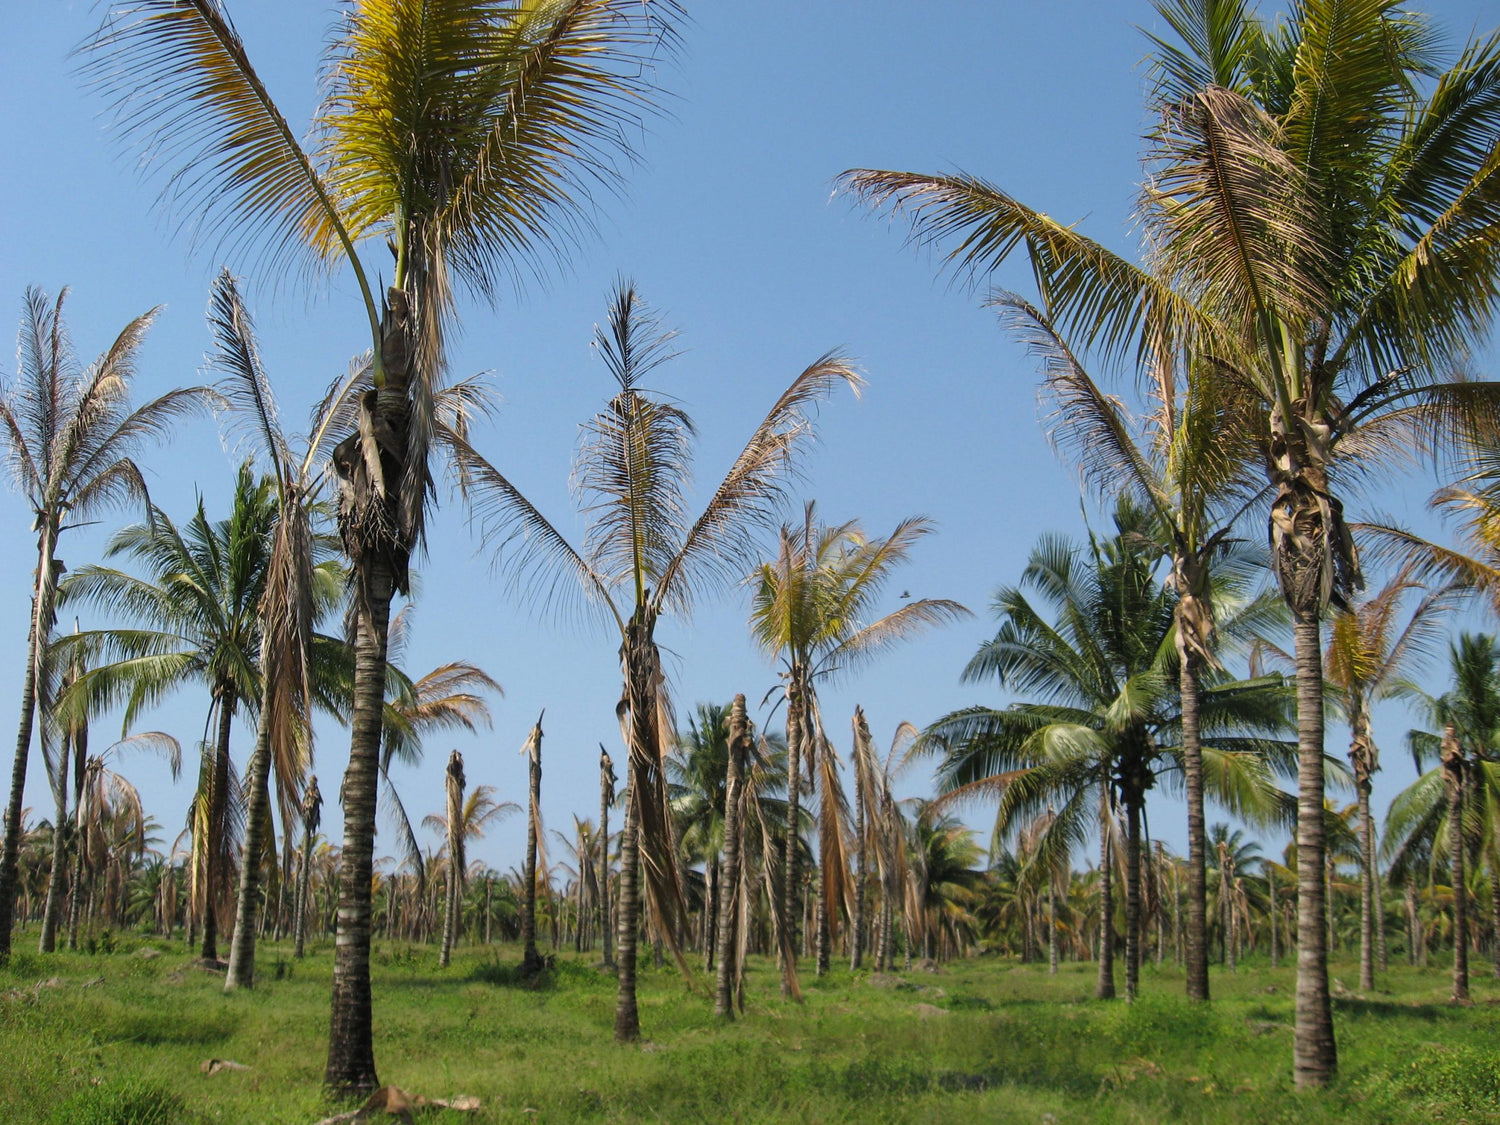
[(790, 882), (241, 972), (1315, 1057), (1192, 769), (531, 960), (606, 798), (1495, 918), (1275, 920), (454, 784), (56, 881), (627, 1017), (1453, 774), (312, 806), (729, 907), (351, 1051), (1051, 929), (1104, 989), (216, 844), (861, 877), (1367, 875), (1132, 896), (42, 599)]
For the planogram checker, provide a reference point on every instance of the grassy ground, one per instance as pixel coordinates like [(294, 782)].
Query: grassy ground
[(119, 1039)]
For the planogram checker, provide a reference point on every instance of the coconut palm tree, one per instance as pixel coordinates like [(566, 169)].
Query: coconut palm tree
[(1370, 653), (943, 877), (1193, 468), (811, 611), (466, 134), (1104, 717), (464, 819), (1443, 813), (195, 619), (531, 961), (312, 813), (69, 434), (1319, 222), (642, 559)]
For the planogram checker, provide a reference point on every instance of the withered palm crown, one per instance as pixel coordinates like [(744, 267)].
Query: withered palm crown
[(69, 436)]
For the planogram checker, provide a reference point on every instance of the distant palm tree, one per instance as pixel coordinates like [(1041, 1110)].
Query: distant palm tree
[(812, 611), (69, 435), (1103, 715), (943, 877), (642, 559), (1444, 813), (464, 819), (1369, 655)]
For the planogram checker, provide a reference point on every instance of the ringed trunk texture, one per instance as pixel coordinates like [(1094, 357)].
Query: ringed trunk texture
[(531, 960), (791, 909), (42, 599), (351, 1052), (1315, 1056), (57, 879), (1192, 756), (729, 890), (1104, 989), (627, 1017), (1367, 919), (1453, 775), (454, 783), (241, 972), (214, 848), (1132, 897), (606, 798), (312, 807)]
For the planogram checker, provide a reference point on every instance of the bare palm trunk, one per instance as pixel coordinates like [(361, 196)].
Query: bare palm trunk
[(861, 875), (1275, 923), (1192, 757), (1453, 775), (1367, 919), (42, 599), (216, 846), (1132, 897), (351, 1051), (312, 807), (1495, 919), (454, 784), (729, 906), (627, 1017), (796, 721), (57, 881), (1051, 929), (606, 798), (531, 960), (241, 972), (1315, 1057), (1104, 989)]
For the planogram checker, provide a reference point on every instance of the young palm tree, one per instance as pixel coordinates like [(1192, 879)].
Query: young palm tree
[(642, 559), (1369, 654), (466, 134), (1104, 717), (302, 585), (810, 611), (196, 620), (1193, 468), (69, 435), (1320, 224), (1443, 813)]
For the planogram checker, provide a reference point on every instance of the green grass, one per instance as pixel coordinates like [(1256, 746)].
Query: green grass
[(115, 1038)]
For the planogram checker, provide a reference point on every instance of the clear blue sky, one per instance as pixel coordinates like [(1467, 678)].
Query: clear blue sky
[(729, 228)]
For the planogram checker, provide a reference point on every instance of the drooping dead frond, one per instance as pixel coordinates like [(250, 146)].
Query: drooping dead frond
[(719, 548)]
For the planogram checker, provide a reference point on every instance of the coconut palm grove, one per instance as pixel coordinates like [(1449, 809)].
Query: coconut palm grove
[(800, 562)]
